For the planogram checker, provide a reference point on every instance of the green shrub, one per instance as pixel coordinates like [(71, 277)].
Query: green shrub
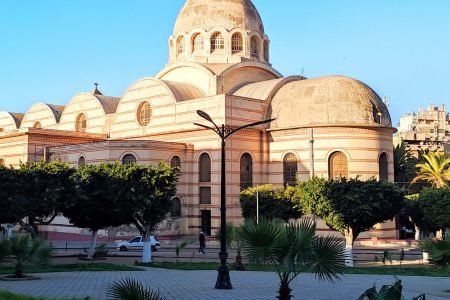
[(439, 251), (387, 292)]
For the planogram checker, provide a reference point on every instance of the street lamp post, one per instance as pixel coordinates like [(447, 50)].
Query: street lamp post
[(223, 276)]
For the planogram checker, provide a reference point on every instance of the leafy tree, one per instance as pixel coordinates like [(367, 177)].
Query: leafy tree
[(97, 202), (434, 169), (274, 202), (38, 191), (24, 251), (434, 204), (149, 191), (7, 180), (350, 207), (292, 249), (414, 212), (404, 164)]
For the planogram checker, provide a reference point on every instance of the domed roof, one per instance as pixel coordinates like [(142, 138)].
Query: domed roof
[(229, 14), (331, 100)]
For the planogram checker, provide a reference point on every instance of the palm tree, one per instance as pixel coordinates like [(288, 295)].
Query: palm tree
[(434, 169), (233, 241), (24, 251), (292, 249), (404, 163)]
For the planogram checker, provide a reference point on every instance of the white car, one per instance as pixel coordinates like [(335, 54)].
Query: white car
[(138, 243)]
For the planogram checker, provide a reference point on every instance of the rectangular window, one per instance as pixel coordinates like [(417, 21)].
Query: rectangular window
[(205, 195)]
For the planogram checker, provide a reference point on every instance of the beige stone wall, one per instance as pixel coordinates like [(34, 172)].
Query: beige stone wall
[(89, 105), (361, 146), (41, 113), (14, 149), (7, 123)]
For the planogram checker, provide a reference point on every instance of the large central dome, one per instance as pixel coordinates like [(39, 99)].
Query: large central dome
[(228, 14)]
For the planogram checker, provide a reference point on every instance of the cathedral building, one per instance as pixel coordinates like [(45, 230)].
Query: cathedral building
[(218, 62)]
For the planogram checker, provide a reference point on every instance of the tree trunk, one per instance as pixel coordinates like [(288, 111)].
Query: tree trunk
[(147, 252), (284, 292), (18, 273), (349, 247), (238, 265), (9, 231), (417, 233), (92, 244), (35, 230)]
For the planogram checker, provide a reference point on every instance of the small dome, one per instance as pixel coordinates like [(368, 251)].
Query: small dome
[(229, 14), (331, 100)]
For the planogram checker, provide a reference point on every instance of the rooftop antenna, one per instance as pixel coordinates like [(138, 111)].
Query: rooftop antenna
[(303, 71), (95, 91), (387, 101)]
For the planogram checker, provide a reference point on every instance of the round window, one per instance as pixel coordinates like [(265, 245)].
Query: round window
[(144, 113)]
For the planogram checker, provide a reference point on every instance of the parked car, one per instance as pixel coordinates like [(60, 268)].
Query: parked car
[(138, 243)]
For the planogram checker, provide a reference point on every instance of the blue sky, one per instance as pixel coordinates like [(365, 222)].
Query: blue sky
[(51, 50)]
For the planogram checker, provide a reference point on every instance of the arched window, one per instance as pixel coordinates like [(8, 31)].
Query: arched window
[(128, 159), (2, 162), (338, 166), (266, 51), (81, 161), (237, 44), (204, 168), (180, 45), (246, 171), (383, 166), (81, 123), (254, 47), (175, 162), (290, 169), (217, 42), (144, 113), (198, 43), (176, 208), (37, 125)]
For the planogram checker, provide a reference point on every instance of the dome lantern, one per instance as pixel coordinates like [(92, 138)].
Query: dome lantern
[(218, 31)]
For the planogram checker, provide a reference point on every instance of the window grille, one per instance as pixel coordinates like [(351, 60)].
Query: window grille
[(290, 169), (81, 123), (217, 42), (204, 168), (237, 44), (338, 166), (128, 159), (246, 171)]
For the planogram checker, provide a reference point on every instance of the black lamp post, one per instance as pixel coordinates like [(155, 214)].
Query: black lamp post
[(223, 277)]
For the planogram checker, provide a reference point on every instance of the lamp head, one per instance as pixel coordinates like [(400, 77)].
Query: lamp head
[(204, 115)]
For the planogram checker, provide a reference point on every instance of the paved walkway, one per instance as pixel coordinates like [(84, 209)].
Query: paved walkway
[(199, 285)]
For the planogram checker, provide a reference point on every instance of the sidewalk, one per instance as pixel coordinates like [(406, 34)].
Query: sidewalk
[(200, 285)]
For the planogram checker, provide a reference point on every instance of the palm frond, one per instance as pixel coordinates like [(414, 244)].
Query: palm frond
[(329, 256), (435, 169), (261, 242), (131, 289)]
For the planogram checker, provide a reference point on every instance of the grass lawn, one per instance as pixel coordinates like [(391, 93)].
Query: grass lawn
[(88, 267), (5, 295), (380, 270)]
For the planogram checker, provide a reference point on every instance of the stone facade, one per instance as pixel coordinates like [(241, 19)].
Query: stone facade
[(229, 77), (429, 129)]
